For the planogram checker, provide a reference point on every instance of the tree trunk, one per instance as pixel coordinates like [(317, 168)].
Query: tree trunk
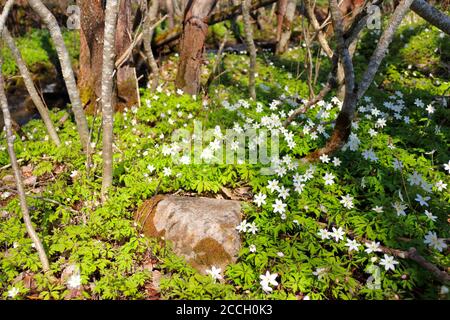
[(285, 30), (127, 84), (344, 120), (250, 47), (192, 45), (281, 12), (43, 111), (66, 67), (170, 13), (152, 12), (10, 137), (109, 50), (92, 18)]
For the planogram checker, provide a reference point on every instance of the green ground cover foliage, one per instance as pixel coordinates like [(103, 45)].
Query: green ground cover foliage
[(397, 151)]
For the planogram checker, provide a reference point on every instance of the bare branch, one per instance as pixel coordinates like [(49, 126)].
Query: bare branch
[(350, 36), (137, 40), (43, 111), (383, 45), (43, 199), (315, 24), (442, 276), (175, 33), (344, 120), (331, 84), (6, 8), (412, 254), (437, 18), (67, 70)]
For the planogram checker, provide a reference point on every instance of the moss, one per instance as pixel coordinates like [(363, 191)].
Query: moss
[(145, 214), (86, 94), (418, 53), (37, 50), (32, 52), (127, 87), (210, 252)]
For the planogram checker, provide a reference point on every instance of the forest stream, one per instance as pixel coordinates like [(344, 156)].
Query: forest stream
[(49, 84)]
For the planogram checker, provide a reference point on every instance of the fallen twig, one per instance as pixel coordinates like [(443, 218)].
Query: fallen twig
[(9, 165)]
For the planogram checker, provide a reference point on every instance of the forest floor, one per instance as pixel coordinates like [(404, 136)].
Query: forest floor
[(323, 230)]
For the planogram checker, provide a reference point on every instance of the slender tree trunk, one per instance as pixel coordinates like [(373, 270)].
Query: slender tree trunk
[(261, 18), (311, 15), (10, 137), (43, 111), (309, 66), (67, 71), (250, 46), (152, 12), (111, 16), (179, 7), (285, 30)]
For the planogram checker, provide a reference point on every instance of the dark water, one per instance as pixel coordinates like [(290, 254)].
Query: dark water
[(21, 106)]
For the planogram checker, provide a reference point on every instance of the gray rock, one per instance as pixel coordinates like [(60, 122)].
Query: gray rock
[(202, 230)]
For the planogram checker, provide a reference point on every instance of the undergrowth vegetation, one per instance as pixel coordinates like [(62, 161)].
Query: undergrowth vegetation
[(38, 51), (317, 229)]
